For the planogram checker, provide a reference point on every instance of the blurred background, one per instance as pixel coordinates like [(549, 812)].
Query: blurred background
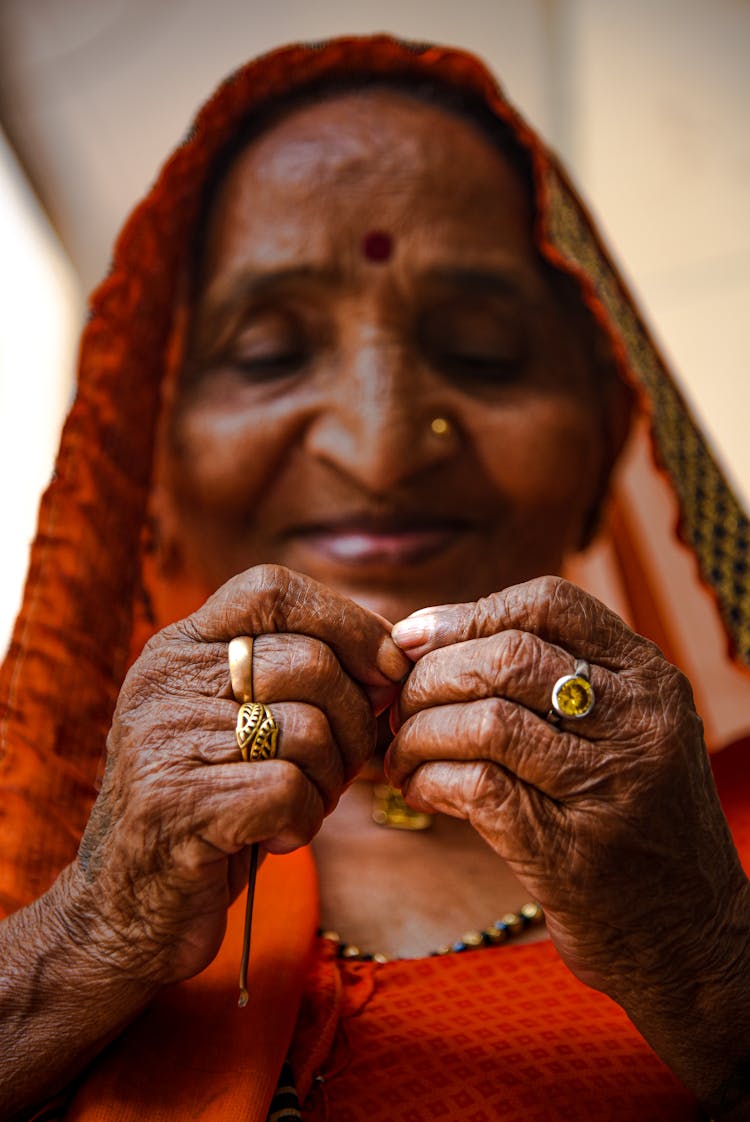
[(648, 102)]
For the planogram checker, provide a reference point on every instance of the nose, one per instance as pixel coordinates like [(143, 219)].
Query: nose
[(383, 420)]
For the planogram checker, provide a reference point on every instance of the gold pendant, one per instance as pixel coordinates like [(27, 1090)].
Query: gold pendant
[(390, 810)]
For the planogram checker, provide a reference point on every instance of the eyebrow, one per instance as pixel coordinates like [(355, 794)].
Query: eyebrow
[(252, 283), (493, 281)]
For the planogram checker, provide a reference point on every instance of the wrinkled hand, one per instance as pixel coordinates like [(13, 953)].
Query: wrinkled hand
[(166, 848), (611, 822)]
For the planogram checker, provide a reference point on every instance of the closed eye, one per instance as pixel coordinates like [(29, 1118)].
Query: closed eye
[(463, 365), (265, 366), (473, 341)]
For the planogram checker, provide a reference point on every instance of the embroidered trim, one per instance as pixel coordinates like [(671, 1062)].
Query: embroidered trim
[(712, 522)]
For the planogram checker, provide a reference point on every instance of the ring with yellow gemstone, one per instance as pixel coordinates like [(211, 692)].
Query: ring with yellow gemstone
[(573, 694)]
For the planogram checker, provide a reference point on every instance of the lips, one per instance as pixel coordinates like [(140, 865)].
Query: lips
[(379, 541)]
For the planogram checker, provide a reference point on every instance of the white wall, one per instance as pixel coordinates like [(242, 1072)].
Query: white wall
[(659, 98), (40, 311)]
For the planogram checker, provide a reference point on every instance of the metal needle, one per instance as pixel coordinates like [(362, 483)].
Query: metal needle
[(252, 873)]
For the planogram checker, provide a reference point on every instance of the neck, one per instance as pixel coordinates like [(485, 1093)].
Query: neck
[(406, 893)]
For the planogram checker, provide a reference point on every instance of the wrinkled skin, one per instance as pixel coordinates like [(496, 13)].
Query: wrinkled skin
[(166, 847), (611, 822)]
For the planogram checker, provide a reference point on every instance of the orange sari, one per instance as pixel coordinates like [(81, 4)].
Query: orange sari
[(498, 1032)]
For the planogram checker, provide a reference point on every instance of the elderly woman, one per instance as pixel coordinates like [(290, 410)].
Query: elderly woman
[(360, 354)]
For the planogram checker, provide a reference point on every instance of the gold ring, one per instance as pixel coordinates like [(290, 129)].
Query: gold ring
[(241, 667), (573, 695), (257, 731)]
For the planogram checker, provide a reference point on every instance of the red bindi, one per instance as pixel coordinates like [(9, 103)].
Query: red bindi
[(377, 245)]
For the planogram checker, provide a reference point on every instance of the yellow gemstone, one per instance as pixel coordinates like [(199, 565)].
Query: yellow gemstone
[(472, 938), (445, 949), (331, 936), (380, 958), (351, 951), (573, 696)]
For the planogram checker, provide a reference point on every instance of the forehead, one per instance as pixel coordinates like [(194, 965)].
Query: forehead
[(329, 171)]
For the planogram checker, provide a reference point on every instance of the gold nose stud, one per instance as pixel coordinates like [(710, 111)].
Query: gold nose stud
[(440, 426)]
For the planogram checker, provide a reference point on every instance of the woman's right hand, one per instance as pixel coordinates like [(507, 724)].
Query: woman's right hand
[(166, 848)]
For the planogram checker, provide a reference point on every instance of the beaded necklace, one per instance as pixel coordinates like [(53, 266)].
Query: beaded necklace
[(508, 927)]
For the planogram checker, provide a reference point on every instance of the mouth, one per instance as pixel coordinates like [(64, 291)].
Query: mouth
[(391, 542)]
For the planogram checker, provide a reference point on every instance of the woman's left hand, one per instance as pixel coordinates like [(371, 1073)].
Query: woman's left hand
[(612, 821)]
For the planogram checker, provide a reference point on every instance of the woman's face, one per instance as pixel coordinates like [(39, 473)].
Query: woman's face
[(370, 267)]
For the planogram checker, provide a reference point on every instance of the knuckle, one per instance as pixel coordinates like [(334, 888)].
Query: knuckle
[(269, 579), (638, 651), (663, 679), (553, 589), (278, 591), (500, 730), (513, 652), (552, 596), (297, 657), (534, 602), (484, 786), (679, 685), (316, 730), (422, 684), (473, 678), (492, 721), (271, 588), (483, 617), (317, 659)]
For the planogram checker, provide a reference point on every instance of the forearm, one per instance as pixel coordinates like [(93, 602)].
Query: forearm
[(65, 992), (700, 1023)]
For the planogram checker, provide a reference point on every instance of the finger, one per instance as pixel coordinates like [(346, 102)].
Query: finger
[(305, 740), (284, 668), (182, 667), (520, 667), (272, 803), (516, 820), (501, 734), (297, 668), (270, 598), (550, 607)]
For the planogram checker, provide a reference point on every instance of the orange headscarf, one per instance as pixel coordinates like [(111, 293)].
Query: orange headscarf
[(673, 556)]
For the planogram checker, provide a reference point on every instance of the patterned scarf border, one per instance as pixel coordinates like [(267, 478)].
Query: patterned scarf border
[(712, 521)]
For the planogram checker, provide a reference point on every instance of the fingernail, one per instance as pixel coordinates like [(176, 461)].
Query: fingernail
[(414, 631)]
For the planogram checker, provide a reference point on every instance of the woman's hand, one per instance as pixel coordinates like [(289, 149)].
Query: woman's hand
[(612, 822), (166, 848)]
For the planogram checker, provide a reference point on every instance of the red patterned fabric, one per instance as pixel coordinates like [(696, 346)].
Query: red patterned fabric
[(502, 1033)]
